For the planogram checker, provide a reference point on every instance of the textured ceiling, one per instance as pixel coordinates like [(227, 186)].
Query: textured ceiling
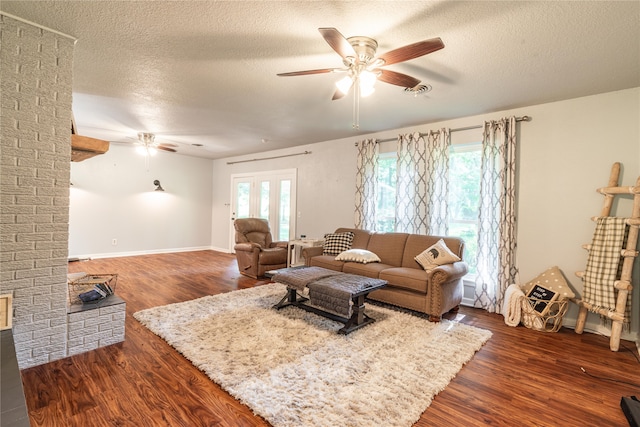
[(205, 72)]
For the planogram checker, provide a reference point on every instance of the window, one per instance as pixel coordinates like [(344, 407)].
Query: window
[(464, 194), (464, 197), (386, 207)]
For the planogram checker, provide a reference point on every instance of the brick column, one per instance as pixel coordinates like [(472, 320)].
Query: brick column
[(35, 154)]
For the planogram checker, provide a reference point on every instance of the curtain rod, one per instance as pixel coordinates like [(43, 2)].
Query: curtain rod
[(518, 119), (42, 27), (269, 158)]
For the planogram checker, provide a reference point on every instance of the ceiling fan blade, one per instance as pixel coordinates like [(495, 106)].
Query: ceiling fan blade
[(307, 72), (164, 148), (412, 51), (339, 43), (338, 94), (169, 144), (395, 78)]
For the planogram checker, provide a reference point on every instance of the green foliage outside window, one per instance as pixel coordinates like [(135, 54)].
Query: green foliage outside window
[(386, 209), (464, 196)]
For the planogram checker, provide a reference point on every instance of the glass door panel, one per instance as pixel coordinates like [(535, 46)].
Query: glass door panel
[(243, 200), (284, 225), (264, 199)]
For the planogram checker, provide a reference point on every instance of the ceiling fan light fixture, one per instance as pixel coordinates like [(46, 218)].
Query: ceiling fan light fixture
[(378, 62), (146, 150), (367, 80), (147, 145), (146, 137), (366, 91), (344, 84)]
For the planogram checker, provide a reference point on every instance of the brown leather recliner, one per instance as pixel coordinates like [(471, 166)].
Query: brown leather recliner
[(255, 250)]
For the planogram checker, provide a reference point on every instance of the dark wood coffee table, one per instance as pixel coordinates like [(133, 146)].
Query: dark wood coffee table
[(358, 317)]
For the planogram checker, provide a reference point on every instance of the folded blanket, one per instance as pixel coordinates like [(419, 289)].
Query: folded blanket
[(603, 265), (512, 305), (516, 308)]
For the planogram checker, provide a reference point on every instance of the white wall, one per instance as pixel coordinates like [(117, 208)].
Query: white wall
[(112, 197), (325, 177), (566, 152), (561, 166)]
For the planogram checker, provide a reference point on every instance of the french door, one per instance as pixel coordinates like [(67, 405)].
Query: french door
[(268, 195)]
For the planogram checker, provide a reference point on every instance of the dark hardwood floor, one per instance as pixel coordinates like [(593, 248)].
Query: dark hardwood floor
[(519, 378)]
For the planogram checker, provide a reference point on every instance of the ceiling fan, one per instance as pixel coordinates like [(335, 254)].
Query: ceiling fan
[(363, 68), (148, 146)]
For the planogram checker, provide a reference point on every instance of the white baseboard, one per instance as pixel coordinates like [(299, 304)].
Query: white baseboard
[(147, 252), (224, 250)]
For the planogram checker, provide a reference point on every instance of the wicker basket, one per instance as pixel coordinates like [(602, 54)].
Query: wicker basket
[(88, 282), (550, 321)]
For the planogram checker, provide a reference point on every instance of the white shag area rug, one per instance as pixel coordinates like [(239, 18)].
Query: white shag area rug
[(293, 369)]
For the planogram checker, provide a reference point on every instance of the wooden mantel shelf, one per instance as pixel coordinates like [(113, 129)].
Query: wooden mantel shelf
[(83, 147)]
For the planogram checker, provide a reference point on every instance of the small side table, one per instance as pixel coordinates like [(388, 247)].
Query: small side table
[(294, 251)]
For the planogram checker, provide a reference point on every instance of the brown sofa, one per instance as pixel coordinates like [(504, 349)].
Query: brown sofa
[(435, 292)]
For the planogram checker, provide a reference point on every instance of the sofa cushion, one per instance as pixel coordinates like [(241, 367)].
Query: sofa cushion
[(334, 243), (326, 261), (435, 255), (372, 269), (358, 255), (417, 243), (412, 279), (271, 256), (388, 246)]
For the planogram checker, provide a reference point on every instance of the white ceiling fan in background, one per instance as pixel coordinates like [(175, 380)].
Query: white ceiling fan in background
[(148, 146)]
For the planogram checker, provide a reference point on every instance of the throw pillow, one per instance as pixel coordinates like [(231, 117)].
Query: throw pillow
[(552, 279), (435, 255), (334, 243), (358, 255)]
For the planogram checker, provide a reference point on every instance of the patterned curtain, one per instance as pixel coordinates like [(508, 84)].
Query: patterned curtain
[(423, 183), (366, 184), (497, 217)]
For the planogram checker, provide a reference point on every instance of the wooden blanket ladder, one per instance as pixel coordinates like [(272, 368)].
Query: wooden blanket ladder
[(628, 254)]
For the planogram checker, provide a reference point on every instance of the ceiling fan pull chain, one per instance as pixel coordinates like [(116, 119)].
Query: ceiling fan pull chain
[(356, 105), (146, 159)]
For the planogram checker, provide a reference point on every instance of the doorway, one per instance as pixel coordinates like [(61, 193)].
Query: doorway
[(269, 195)]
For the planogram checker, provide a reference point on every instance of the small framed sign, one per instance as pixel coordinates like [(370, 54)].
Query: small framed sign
[(6, 311), (540, 298)]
